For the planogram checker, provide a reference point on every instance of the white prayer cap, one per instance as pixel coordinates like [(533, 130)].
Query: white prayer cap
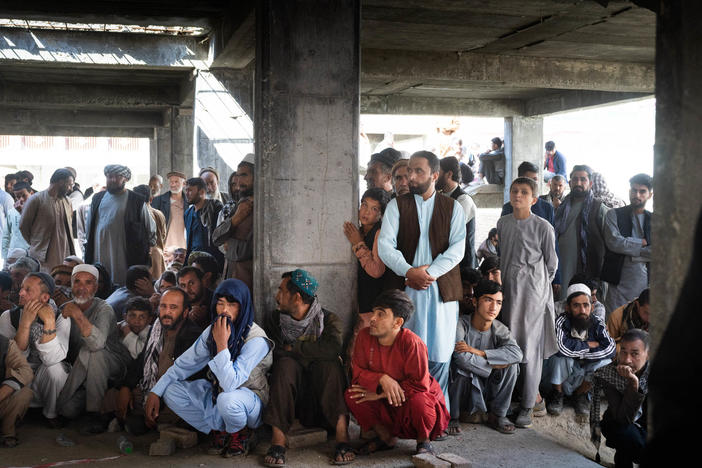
[(87, 268), (249, 158), (576, 288)]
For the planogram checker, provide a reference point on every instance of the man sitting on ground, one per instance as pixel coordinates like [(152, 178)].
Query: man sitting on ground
[(15, 394), (485, 363), (62, 281), (632, 315), (391, 363), (583, 347), (307, 379), (200, 298)]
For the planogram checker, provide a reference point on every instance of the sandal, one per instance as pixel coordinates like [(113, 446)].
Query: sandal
[(454, 428), (277, 452), (9, 442), (374, 445), (341, 450), (424, 447), (441, 437), (500, 424)]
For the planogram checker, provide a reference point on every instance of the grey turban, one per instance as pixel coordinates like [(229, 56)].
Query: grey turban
[(119, 170)]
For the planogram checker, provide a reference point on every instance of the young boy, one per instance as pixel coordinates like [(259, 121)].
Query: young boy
[(528, 263), (135, 327)]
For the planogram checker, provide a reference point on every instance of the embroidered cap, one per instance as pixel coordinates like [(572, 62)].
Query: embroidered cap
[(578, 288), (305, 281)]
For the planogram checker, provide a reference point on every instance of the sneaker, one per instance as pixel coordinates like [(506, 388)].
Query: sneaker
[(582, 404), (237, 444), (540, 409), (555, 404), (524, 418), (220, 440)]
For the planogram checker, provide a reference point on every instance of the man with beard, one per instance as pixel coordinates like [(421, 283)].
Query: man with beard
[(211, 178), (485, 364), (173, 205), (583, 347), (379, 172), (556, 190), (155, 185), (12, 236), (579, 224), (422, 241), (100, 353), (158, 264), (170, 336), (46, 222), (199, 297), (120, 228), (635, 314), (42, 335), (235, 227), (448, 183), (201, 220), (400, 177), (627, 235)]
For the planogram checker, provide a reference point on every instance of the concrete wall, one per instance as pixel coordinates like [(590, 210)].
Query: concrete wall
[(524, 141), (307, 108), (172, 145)]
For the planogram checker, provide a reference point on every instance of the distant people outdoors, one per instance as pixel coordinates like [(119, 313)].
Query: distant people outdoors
[(528, 257), (211, 178), (379, 171), (449, 183), (201, 219), (627, 237), (173, 205), (492, 163), (541, 208), (400, 177), (422, 240), (579, 224), (556, 191), (120, 228), (602, 193), (635, 314), (12, 236), (485, 363), (555, 163), (46, 222), (158, 264), (489, 246)]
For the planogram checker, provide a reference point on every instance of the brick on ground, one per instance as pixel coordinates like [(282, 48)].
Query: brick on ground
[(427, 460), (456, 461), (163, 447), (183, 437)]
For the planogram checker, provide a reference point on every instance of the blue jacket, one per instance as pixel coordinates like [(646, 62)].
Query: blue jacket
[(559, 164), (572, 347)]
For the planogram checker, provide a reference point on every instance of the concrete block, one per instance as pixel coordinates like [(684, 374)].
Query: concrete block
[(183, 437), (456, 461), (306, 437), (427, 460), (163, 447)]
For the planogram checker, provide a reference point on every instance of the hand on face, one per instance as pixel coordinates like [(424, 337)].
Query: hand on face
[(221, 332)]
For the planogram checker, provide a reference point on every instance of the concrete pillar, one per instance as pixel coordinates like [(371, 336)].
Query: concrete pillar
[(677, 161), (307, 108), (524, 141), (223, 119), (171, 147)]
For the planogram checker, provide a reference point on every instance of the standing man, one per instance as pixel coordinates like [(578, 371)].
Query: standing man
[(628, 238), (12, 237), (46, 222), (449, 183), (379, 172), (120, 228), (211, 178), (555, 163), (158, 264), (422, 240), (556, 191), (400, 177), (201, 220), (155, 185), (173, 205), (579, 224)]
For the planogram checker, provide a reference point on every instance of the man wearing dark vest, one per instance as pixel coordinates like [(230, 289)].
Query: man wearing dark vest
[(422, 241), (449, 183), (120, 228), (579, 224), (627, 236)]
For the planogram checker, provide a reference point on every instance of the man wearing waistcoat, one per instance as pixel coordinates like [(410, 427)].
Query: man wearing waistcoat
[(627, 235), (449, 184), (422, 241)]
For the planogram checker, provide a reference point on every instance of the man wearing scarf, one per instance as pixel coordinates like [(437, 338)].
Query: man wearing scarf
[(579, 224), (307, 380), (236, 354), (42, 336)]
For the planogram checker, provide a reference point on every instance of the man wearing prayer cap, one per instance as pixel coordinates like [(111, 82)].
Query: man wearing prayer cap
[(120, 230), (211, 178), (173, 205), (583, 347), (379, 172)]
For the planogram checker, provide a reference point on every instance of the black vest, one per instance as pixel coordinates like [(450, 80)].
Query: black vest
[(368, 287), (614, 262), (469, 257)]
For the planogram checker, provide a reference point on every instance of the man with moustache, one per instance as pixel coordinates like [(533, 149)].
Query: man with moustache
[(211, 178), (120, 228), (379, 172), (583, 347), (199, 297), (12, 236), (173, 205), (556, 190), (628, 238), (400, 177), (101, 356), (201, 220)]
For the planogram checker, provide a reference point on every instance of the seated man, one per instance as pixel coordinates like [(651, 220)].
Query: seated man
[(583, 347), (391, 363), (15, 394), (210, 269), (237, 355), (100, 354), (42, 336), (484, 367), (5, 288), (137, 284), (597, 308), (490, 269), (171, 335), (62, 281), (307, 379), (632, 315), (190, 281), (625, 384), (136, 325)]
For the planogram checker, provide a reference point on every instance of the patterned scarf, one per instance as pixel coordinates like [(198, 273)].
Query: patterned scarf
[(561, 222), (307, 329), (152, 351), (603, 377), (601, 192)]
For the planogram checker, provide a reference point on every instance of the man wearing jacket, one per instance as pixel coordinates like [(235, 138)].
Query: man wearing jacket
[(173, 205)]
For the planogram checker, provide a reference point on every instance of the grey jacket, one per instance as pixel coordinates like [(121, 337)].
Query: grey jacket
[(37, 223)]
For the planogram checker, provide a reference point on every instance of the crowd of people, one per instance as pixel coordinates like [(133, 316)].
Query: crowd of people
[(131, 308)]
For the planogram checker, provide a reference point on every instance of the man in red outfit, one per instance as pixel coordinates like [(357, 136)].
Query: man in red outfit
[(392, 391)]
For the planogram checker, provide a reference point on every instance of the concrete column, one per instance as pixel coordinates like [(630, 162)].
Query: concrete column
[(307, 108), (524, 141), (677, 161), (171, 147)]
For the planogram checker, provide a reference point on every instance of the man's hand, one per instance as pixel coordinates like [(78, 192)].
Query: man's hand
[(155, 300), (29, 313), (46, 314), (392, 389), (124, 403), (220, 333), (352, 233), (463, 347), (593, 344), (144, 287), (644, 243), (198, 314), (153, 404), (71, 310), (361, 395), (244, 208), (418, 278), (628, 373)]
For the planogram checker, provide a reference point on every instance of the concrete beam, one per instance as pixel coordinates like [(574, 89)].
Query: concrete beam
[(55, 95), (80, 118), (240, 49), (126, 132), (410, 105), (507, 71), (577, 99), (102, 49)]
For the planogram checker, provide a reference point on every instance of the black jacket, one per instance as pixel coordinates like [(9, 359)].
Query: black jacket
[(163, 204)]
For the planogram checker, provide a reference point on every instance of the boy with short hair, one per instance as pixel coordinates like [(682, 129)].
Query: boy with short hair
[(136, 325), (528, 263)]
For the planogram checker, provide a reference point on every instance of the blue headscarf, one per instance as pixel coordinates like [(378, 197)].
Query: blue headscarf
[(236, 289)]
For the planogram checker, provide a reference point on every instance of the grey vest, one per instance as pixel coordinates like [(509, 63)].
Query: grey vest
[(258, 379)]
